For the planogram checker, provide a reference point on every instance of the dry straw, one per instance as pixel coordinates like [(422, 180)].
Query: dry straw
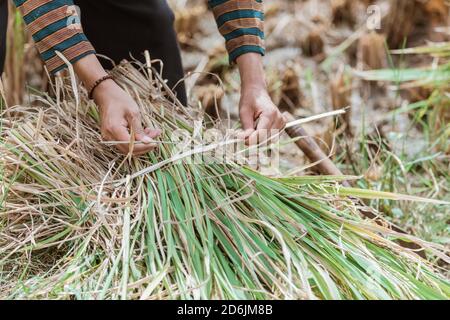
[(69, 230)]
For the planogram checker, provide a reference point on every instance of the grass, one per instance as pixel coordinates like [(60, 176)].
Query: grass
[(77, 221), (425, 170), (15, 57)]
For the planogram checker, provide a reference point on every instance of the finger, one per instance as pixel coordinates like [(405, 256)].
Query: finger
[(247, 120), (137, 149), (121, 133), (277, 128), (143, 149), (278, 125), (139, 133), (243, 135), (265, 123), (262, 130), (140, 150), (123, 149), (152, 133)]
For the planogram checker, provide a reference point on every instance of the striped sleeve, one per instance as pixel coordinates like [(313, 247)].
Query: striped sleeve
[(241, 22), (54, 25)]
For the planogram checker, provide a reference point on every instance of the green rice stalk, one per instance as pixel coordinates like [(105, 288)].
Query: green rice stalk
[(77, 222), (435, 76)]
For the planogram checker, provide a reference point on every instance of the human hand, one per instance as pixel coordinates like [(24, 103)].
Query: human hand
[(259, 116), (119, 113), (120, 117)]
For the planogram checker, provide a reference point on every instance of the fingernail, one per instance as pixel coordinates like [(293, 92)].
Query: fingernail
[(147, 140)]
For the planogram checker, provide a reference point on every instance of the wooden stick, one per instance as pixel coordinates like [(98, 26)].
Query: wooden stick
[(310, 148)]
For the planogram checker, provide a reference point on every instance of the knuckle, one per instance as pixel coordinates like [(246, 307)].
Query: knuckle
[(108, 128), (122, 150), (272, 113), (139, 129), (135, 114)]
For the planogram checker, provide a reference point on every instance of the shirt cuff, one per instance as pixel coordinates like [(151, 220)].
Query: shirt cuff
[(233, 55), (241, 22), (55, 26)]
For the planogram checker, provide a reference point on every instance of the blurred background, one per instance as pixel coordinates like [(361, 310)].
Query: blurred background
[(324, 55)]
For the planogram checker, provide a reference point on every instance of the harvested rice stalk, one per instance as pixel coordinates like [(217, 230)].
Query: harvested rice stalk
[(78, 221), (341, 91), (313, 45), (291, 95), (371, 55), (343, 11), (407, 17), (400, 21), (210, 97), (372, 51), (438, 15), (187, 22)]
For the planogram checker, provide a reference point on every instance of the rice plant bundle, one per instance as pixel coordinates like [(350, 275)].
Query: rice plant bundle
[(79, 221)]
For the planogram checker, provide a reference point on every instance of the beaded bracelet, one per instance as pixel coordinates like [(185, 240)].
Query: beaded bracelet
[(97, 83)]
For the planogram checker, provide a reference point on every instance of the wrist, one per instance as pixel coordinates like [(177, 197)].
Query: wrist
[(252, 72), (104, 90), (96, 84), (89, 70), (253, 89)]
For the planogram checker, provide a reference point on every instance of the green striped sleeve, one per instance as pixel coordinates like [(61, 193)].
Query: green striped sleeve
[(241, 22), (55, 26)]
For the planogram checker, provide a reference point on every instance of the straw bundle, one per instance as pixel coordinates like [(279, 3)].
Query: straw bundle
[(77, 221)]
